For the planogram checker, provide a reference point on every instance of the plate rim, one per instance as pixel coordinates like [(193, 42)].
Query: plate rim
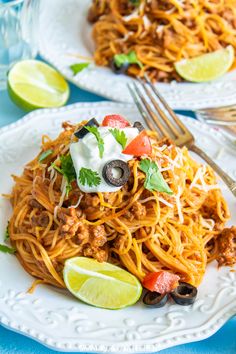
[(212, 325)]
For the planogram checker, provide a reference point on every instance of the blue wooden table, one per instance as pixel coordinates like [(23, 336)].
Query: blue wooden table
[(223, 342)]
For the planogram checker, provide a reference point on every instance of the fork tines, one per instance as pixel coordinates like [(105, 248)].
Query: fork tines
[(155, 110), (219, 116)]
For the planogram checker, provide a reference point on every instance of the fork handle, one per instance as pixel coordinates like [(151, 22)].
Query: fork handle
[(230, 182)]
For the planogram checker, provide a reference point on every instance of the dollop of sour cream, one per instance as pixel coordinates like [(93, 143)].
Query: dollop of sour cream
[(85, 153)]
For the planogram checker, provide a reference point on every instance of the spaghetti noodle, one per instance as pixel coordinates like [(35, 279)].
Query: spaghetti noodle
[(161, 32), (140, 230)]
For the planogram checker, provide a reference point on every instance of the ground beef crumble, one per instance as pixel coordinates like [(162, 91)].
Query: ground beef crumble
[(227, 247), (40, 220), (91, 238)]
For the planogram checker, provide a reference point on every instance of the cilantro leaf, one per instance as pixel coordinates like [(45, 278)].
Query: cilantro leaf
[(45, 154), (58, 169), (78, 67), (68, 189), (131, 58), (67, 170), (7, 235), (89, 177), (94, 130), (6, 249), (120, 136), (135, 2), (154, 180)]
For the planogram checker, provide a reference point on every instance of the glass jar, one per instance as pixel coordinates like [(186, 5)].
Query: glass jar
[(18, 33)]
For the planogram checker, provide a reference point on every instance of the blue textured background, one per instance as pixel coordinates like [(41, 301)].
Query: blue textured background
[(223, 342)]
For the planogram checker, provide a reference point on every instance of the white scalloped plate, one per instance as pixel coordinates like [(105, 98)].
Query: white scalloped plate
[(58, 320), (65, 32)]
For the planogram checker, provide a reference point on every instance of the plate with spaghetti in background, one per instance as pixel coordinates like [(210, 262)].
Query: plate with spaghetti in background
[(139, 231), (113, 42)]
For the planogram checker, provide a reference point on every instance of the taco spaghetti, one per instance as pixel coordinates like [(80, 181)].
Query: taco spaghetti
[(161, 32), (141, 230)]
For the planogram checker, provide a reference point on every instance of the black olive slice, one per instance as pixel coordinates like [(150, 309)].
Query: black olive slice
[(83, 131), (121, 168), (119, 69), (185, 294), (139, 126), (155, 299)]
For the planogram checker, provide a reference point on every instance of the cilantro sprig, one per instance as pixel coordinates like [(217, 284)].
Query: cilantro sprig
[(120, 136), (45, 154), (154, 180), (89, 177), (130, 58), (67, 170), (7, 235), (135, 2), (94, 130), (78, 67), (6, 249)]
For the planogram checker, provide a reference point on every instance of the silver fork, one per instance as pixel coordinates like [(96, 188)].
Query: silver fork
[(220, 115), (170, 125)]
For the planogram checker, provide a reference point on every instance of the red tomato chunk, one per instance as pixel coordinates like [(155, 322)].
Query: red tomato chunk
[(162, 282), (115, 121), (139, 146)]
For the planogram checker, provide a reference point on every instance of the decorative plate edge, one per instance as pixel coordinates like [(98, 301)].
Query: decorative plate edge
[(30, 116), (174, 340), (82, 84)]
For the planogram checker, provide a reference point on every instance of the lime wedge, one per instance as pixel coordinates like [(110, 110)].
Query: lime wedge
[(101, 284), (33, 84), (206, 67)]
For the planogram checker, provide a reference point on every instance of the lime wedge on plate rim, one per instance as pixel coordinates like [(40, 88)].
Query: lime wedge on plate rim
[(206, 67), (33, 84), (101, 284)]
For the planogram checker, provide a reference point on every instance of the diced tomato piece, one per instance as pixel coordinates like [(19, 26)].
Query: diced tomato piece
[(115, 121), (139, 146), (162, 282)]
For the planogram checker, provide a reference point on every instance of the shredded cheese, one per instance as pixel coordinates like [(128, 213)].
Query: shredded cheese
[(147, 199), (160, 29), (63, 184), (179, 156), (162, 148), (78, 203), (201, 177), (178, 204), (208, 223), (173, 162), (162, 169), (207, 188), (135, 14), (163, 201), (146, 22), (126, 37), (63, 192), (55, 213), (171, 11), (52, 173), (198, 176), (35, 181)]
